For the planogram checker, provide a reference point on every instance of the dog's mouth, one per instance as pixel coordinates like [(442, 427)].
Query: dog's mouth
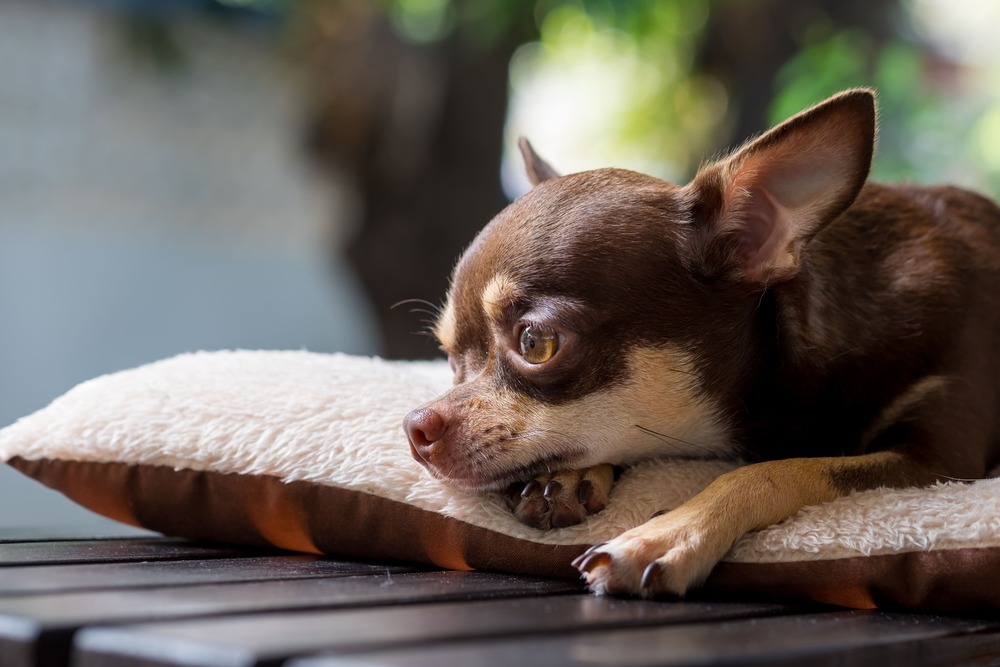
[(482, 481)]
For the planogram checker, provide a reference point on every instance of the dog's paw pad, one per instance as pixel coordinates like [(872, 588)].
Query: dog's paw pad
[(561, 499), (607, 572), (531, 506), (665, 557)]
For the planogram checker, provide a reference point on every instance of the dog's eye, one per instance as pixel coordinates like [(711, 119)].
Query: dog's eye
[(538, 344)]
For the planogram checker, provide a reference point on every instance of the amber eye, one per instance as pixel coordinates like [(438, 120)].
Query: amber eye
[(538, 344)]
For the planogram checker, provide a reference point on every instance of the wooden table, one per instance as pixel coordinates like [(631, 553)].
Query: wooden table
[(146, 601)]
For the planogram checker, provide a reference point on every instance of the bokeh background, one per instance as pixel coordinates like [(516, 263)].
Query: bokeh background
[(178, 175)]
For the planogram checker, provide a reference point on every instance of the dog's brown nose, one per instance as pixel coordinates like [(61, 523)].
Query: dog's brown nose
[(424, 427)]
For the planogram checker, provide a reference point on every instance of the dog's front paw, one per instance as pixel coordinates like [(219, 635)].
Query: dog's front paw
[(563, 498), (667, 555)]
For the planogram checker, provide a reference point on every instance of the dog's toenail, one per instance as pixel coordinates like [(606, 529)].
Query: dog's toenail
[(513, 492), (531, 489), (552, 489), (659, 513), (584, 491), (579, 559), (651, 576), (588, 563)]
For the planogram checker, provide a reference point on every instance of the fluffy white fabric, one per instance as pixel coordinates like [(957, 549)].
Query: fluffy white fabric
[(336, 420)]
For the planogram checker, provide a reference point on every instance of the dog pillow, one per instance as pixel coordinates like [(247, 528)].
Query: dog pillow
[(305, 451)]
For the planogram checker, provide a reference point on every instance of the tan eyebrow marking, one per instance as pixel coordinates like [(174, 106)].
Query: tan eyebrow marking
[(498, 293), (444, 329)]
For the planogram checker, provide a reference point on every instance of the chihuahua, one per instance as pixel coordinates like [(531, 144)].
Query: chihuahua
[(834, 334)]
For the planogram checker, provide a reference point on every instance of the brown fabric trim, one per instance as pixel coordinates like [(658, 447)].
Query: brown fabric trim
[(945, 581), (303, 516), (300, 516)]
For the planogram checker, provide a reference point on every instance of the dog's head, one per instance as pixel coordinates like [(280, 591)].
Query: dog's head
[(603, 317)]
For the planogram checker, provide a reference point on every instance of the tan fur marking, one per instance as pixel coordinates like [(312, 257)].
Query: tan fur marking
[(445, 327), (661, 396), (498, 293), (913, 395), (688, 541), (657, 412)]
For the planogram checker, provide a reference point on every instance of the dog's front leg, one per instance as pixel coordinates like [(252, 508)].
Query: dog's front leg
[(560, 499), (674, 552)]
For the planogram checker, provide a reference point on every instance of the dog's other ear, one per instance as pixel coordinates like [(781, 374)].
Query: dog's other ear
[(756, 209), (537, 168)]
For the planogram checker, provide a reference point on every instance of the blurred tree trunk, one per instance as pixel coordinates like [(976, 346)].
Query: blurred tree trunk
[(746, 44), (419, 131)]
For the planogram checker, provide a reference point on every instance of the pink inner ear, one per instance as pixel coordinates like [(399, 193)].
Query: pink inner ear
[(758, 226), (764, 231)]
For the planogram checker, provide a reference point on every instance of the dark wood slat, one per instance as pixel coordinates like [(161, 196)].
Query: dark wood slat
[(268, 639), (150, 574), (834, 638), (47, 622), (48, 533), (110, 551)]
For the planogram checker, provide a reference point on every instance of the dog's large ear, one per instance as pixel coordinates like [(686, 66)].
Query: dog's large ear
[(537, 168), (756, 209)]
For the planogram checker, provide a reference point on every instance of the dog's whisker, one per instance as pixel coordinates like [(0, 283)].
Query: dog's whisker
[(956, 479), (763, 293), (669, 438), (664, 439), (436, 309), (524, 435), (423, 334)]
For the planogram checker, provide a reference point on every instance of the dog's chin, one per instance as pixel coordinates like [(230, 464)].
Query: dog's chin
[(485, 481)]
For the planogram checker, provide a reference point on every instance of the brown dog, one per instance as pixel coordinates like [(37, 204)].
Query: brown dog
[(840, 335)]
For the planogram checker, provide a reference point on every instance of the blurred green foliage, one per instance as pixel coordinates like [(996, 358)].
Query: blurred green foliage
[(629, 91), (625, 83), (641, 97), (930, 126), (850, 58), (480, 24)]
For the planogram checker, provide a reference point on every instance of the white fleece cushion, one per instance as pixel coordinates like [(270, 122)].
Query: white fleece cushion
[(333, 423)]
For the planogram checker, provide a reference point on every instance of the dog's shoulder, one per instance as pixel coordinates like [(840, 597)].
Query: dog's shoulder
[(902, 255)]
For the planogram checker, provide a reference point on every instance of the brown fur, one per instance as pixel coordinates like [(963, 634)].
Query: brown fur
[(777, 309)]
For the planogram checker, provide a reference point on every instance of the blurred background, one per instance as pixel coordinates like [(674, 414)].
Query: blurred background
[(178, 175)]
